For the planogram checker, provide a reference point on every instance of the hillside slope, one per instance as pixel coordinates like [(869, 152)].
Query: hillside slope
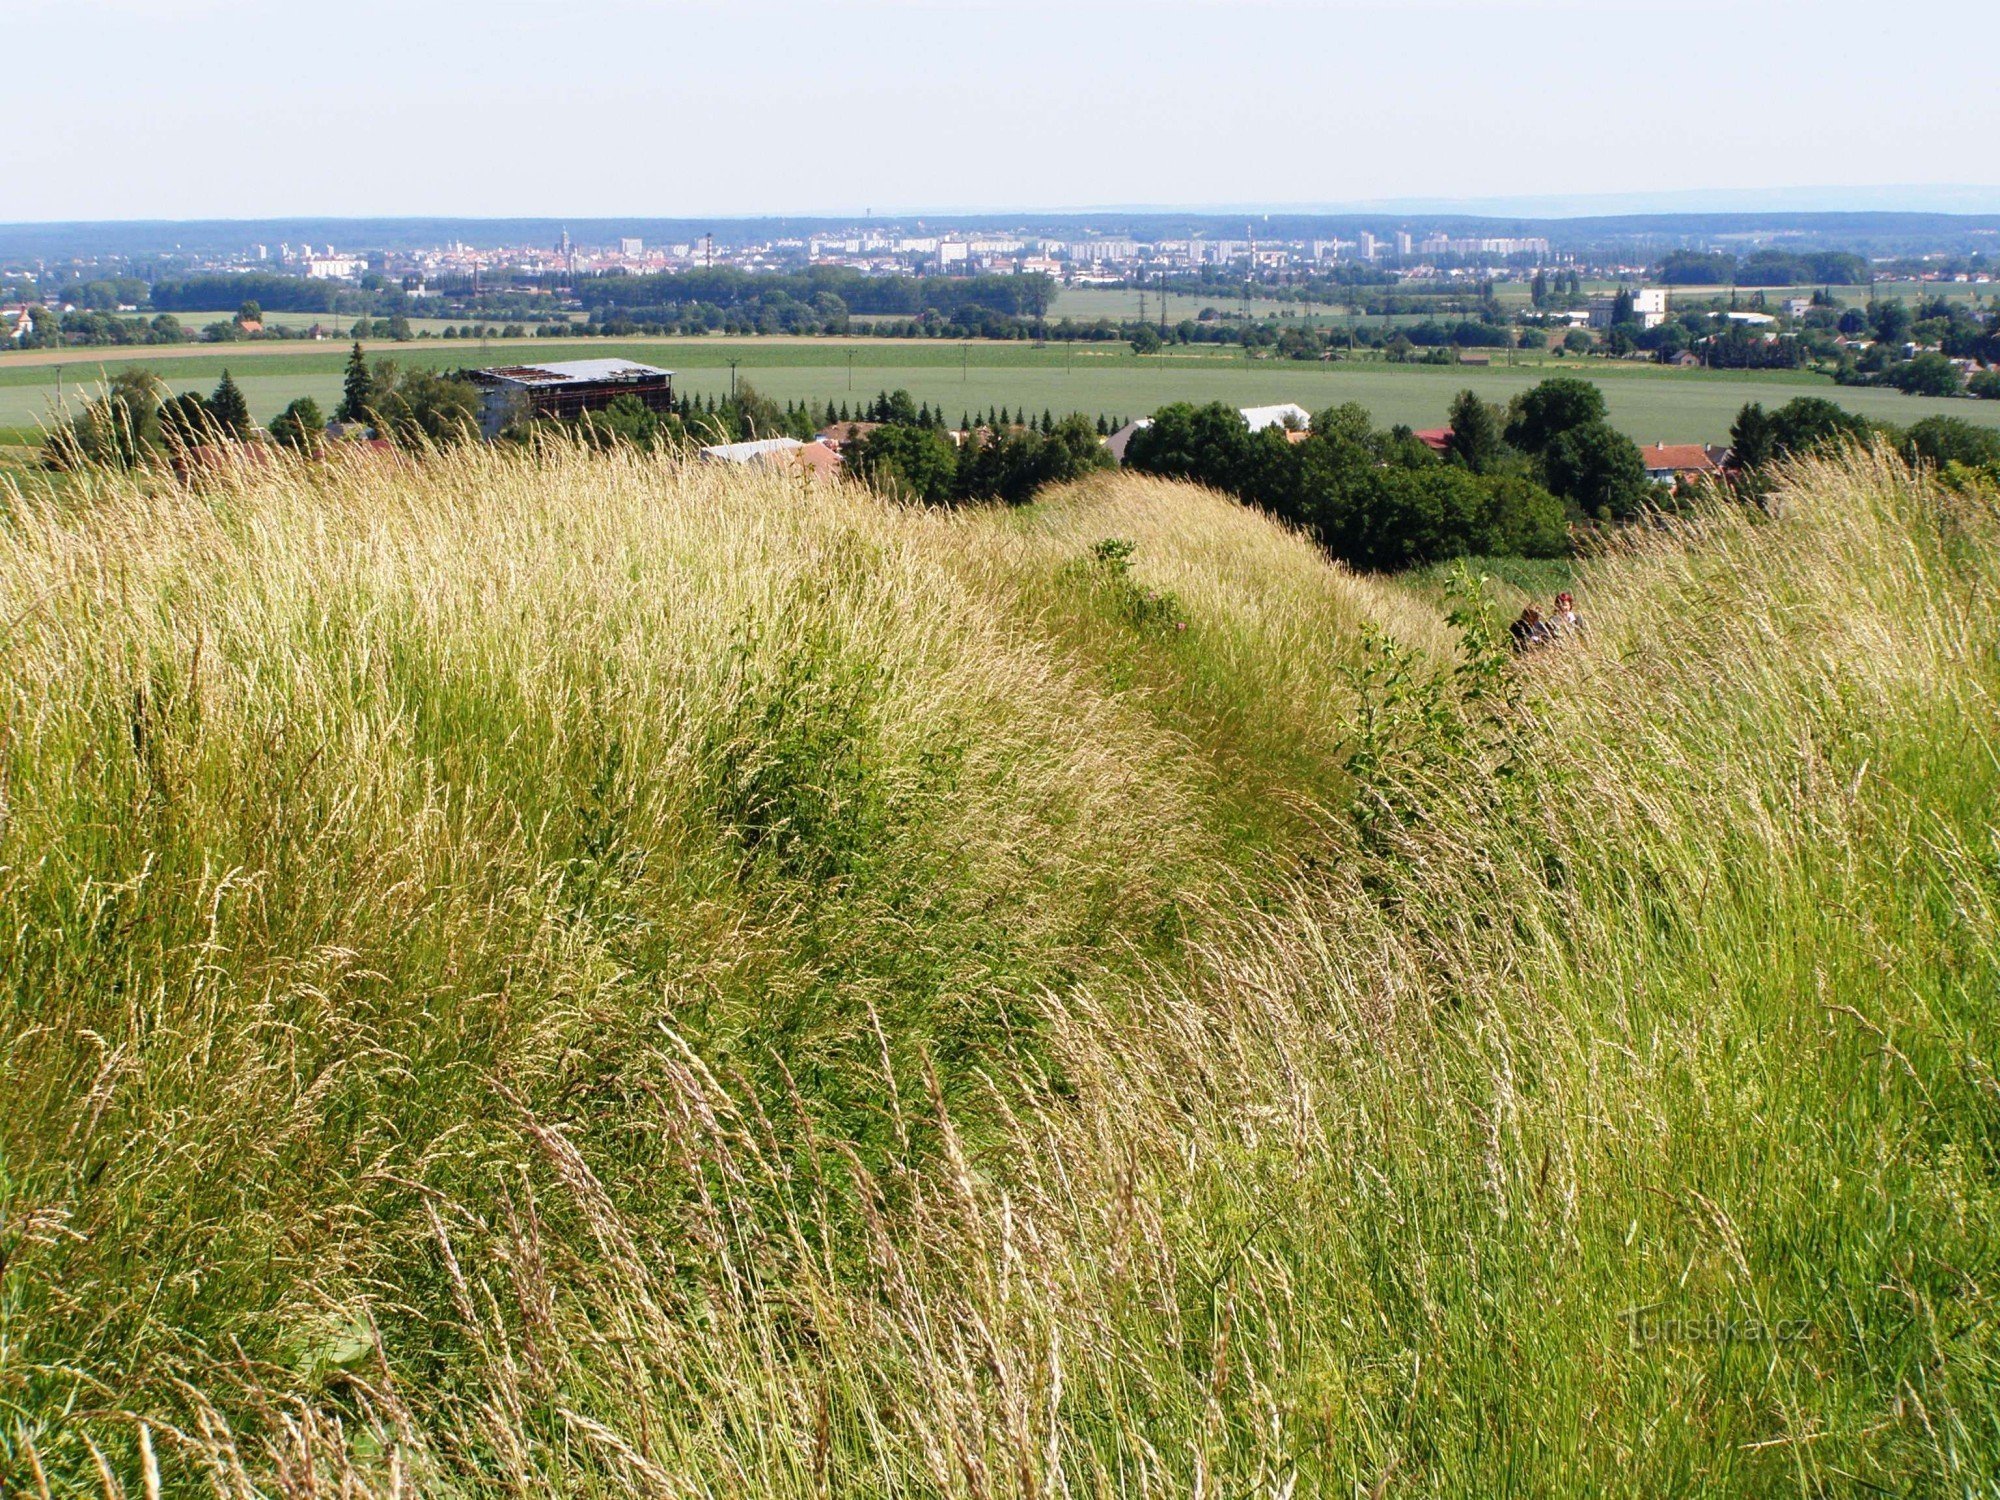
[(574, 975)]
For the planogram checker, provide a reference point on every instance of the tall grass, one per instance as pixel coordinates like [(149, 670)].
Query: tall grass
[(566, 974)]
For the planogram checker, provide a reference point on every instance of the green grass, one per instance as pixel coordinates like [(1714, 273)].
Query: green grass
[(565, 974), (1650, 403), (1511, 581)]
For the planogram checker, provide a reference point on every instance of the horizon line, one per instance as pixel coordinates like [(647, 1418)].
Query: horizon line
[(1670, 204)]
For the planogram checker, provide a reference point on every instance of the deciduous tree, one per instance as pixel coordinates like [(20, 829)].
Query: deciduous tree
[(1598, 470), (300, 425)]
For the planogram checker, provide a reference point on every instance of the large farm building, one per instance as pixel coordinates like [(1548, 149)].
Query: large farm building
[(569, 388)]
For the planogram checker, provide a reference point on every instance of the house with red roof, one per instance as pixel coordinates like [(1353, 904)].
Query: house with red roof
[(838, 435), (1668, 463)]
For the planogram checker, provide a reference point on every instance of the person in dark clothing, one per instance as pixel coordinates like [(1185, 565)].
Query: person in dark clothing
[(1528, 631)]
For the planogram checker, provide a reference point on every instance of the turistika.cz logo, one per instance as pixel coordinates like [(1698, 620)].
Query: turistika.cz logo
[(1647, 1326)]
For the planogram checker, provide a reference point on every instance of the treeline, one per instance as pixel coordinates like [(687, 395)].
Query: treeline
[(913, 456), (822, 288), (138, 423), (896, 445), (1359, 283), (897, 407), (1509, 483), (50, 330), (693, 421), (1960, 451), (1513, 481), (301, 294), (1763, 268)]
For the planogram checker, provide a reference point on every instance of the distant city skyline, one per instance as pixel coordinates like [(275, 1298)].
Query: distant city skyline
[(185, 109)]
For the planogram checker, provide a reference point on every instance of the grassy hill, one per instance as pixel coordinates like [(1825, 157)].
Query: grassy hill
[(571, 975)]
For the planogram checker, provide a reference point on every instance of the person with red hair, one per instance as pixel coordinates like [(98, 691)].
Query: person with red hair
[(1565, 621)]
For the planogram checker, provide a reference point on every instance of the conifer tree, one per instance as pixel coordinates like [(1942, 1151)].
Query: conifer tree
[(357, 388), (230, 411)]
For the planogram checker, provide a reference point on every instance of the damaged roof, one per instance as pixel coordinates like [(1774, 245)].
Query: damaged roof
[(572, 372)]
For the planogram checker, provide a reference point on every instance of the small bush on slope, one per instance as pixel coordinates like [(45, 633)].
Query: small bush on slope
[(644, 982)]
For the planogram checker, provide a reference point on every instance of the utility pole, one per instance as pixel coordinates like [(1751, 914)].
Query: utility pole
[(850, 369), (732, 380)]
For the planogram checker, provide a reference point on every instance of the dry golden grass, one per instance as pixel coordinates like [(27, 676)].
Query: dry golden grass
[(573, 975)]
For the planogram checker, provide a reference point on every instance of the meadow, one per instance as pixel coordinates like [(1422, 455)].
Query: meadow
[(551, 973), (1651, 403)]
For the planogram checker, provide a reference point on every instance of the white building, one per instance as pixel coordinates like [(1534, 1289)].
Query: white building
[(1286, 414), (1257, 418), (786, 454), (743, 453), (1649, 308)]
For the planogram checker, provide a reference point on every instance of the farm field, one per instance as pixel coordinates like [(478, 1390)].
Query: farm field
[(1650, 403)]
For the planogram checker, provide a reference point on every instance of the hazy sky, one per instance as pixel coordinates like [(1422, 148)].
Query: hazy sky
[(242, 108)]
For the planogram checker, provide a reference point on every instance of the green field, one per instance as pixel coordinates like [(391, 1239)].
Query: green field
[(1651, 403)]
